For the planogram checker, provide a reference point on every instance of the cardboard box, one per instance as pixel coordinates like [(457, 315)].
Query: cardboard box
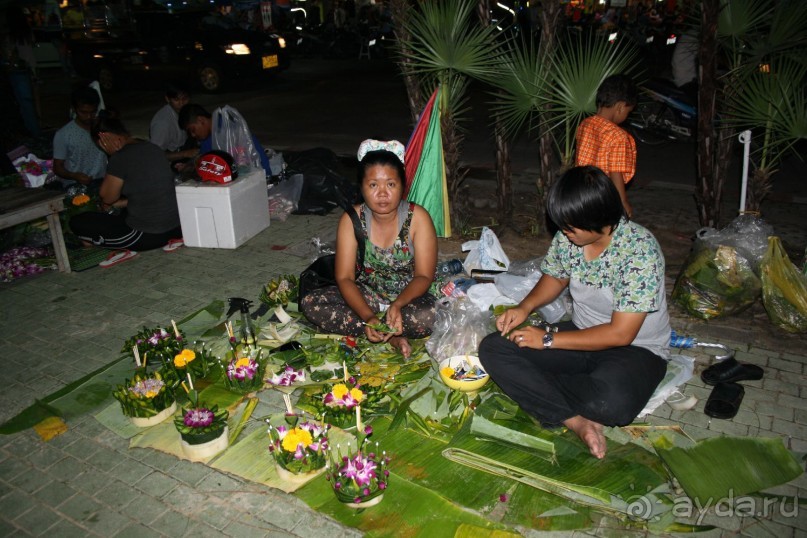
[(215, 215)]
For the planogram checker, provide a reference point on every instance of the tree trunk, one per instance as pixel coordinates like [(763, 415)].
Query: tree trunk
[(452, 140), (400, 10), (709, 183), (504, 174), (759, 185), (550, 21)]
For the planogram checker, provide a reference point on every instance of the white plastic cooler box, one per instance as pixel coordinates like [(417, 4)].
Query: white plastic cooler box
[(215, 215)]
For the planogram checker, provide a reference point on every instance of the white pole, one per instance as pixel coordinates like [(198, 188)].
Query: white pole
[(745, 140)]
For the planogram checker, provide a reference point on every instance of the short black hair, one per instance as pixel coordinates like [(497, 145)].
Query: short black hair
[(584, 198), (107, 124), (85, 96), (175, 89), (617, 88), (189, 113), (380, 157)]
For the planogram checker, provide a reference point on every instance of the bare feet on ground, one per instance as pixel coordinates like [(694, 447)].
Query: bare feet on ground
[(401, 344), (590, 433)]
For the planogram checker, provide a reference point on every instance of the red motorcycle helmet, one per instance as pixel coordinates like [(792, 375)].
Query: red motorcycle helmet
[(216, 165)]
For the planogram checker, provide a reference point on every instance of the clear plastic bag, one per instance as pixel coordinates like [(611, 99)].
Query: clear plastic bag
[(679, 371), (719, 278), (283, 197), (516, 287), (458, 329), (231, 133), (784, 289)]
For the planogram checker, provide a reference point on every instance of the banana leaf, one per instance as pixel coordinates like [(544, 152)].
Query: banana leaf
[(609, 485), (197, 324), (725, 466)]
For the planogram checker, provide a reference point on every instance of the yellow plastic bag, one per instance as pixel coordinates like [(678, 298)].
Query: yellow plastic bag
[(784, 289)]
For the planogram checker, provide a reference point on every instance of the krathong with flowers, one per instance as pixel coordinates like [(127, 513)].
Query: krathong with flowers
[(286, 377), (245, 373), (198, 361), (299, 448), (151, 343), (341, 400), (359, 478), (147, 399), (198, 423)]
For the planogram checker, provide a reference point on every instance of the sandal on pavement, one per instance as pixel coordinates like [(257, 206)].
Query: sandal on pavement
[(724, 401), (174, 244), (117, 257), (731, 371)]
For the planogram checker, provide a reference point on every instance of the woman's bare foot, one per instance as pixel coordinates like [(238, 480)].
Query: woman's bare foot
[(401, 344), (590, 433)]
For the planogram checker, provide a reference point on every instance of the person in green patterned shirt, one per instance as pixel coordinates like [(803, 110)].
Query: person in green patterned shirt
[(600, 368), (396, 281)]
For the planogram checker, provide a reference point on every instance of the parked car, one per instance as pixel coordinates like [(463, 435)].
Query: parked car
[(168, 45)]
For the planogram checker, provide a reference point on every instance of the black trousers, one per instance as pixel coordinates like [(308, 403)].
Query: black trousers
[(610, 387), (111, 231)]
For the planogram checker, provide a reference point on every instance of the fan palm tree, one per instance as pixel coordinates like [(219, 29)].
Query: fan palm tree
[(445, 46), (556, 94), (740, 36)]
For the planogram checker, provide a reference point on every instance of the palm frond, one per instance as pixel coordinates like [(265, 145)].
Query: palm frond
[(446, 37), (740, 19)]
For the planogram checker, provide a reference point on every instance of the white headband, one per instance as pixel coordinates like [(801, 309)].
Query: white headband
[(393, 146)]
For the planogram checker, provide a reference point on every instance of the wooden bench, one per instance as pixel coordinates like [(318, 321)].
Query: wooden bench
[(18, 205)]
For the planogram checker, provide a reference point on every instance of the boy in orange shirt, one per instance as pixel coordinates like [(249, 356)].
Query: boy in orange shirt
[(600, 140)]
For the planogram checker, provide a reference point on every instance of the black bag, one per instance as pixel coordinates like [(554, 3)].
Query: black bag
[(322, 272)]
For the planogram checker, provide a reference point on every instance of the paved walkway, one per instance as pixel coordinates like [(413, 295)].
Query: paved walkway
[(57, 328)]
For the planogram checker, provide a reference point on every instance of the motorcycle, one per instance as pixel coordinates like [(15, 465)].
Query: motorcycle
[(664, 113)]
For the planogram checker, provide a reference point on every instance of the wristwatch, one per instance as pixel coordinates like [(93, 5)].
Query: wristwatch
[(548, 339)]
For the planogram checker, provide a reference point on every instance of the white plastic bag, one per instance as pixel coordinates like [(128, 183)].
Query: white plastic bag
[(485, 254), (516, 287), (458, 328), (483, 296), (284, 196), (679, 371), (231, 134)]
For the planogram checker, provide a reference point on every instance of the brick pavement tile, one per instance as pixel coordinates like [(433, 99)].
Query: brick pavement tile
[(55, 493), (106, 460), (132, 472), (172, 523), (765, 528), (189, 472), (756, 394), (66, 529), (15, 503), (6, 527), (220, 517), (157, 484), (219, 482), (145, 509), (91, 481), (80, 507), (45, 457), (37, 520), (791, 401), (110, 441), (107, 522), (284, 512), (31, 480), (785, 365), (201, 530), (792, 429), (82, 448), (116, 494), (154, 458), (12, 467), (781, 385), (185, 499), (137, 531), (249, 526), (775, 410), (728, 427)]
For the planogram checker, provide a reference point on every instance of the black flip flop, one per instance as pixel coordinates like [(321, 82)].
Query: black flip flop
[(731, 371), (724, 401)]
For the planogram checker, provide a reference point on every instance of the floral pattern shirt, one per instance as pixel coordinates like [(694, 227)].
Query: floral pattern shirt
[(628, 276), (387, 271)]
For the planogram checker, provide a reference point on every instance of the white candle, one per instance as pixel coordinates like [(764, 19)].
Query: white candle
[(190, 381), (136, 355), (358, 418), (176, 331), (344, 369)]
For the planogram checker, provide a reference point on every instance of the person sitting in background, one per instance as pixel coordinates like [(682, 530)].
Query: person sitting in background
[(400, 257), (600, 140), (600, 368), (76, 158), (165, 131), (139, 182), (199, 124)]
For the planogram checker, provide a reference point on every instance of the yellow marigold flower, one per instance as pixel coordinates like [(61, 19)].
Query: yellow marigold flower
[(151, 393), (339, 391), (447, 371), (182, 359), (296, 436), (242, 362), (80, 199), (357, 394)]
